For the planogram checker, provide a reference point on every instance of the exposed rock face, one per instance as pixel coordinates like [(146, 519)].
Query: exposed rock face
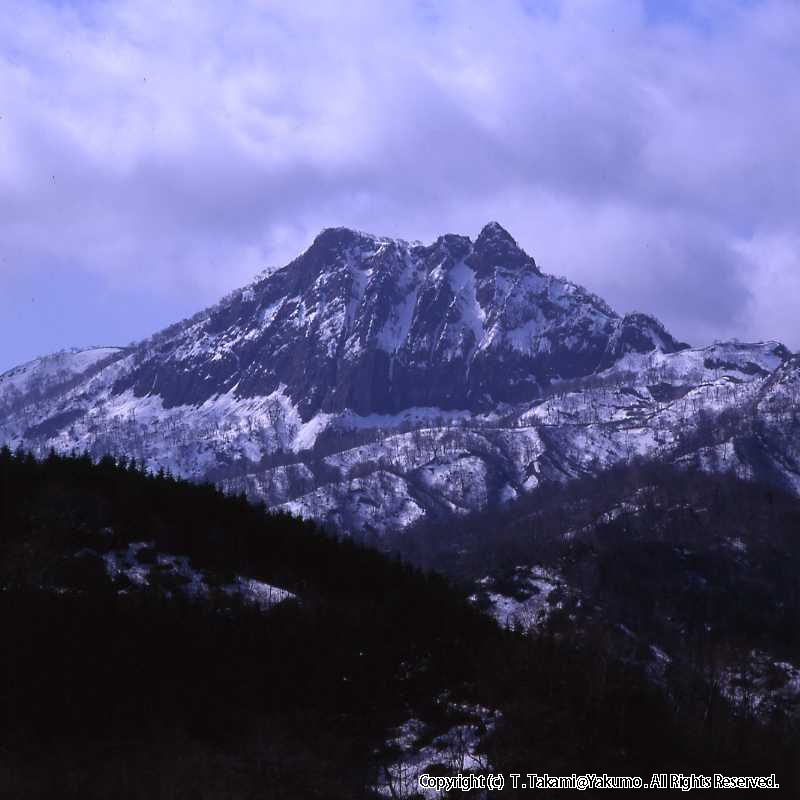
[(378, 325), (372, 382)]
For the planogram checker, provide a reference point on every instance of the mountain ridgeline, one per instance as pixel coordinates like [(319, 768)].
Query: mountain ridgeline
[(145, 678), (627, 510), (378, 325), (372, 383)]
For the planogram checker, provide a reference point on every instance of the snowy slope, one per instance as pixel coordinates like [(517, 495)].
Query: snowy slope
[(372, 382), (50, 370)]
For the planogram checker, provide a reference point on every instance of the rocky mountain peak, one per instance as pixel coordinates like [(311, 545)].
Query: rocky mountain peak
[(639, 333), (333, 238), (454, 245), (376, 325), (332, 246), (364, 333), (495, 232), (654, 330), (496, 247)]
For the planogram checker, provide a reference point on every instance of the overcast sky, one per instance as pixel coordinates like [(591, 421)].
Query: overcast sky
[(155, 154)]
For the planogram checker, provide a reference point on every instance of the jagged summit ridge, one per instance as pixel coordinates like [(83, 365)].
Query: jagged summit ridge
[(494, 230), (495, 247), (543, 378), (377, 325)]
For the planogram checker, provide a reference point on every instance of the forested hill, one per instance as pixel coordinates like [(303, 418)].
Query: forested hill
[(67, 506), (143, 657), (149, 678), (691, 570)]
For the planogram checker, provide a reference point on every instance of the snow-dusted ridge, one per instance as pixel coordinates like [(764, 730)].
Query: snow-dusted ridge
[(51, 369), (414, 749), (177, 572), (373, 382)]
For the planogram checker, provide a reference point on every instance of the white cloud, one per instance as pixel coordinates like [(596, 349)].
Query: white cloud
[(179, 147), (772, 264)]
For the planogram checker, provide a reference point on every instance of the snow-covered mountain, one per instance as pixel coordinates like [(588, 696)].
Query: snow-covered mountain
[(41, 374), (378, 326), (372, 381)]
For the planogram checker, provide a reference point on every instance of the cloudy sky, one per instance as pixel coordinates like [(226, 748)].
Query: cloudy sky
[(155, 154)]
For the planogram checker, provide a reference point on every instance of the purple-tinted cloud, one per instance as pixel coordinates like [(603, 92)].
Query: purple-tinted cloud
[(155, 155)]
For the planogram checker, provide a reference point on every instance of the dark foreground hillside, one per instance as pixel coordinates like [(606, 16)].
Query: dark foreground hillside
[(115, 687), (695, 560)]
